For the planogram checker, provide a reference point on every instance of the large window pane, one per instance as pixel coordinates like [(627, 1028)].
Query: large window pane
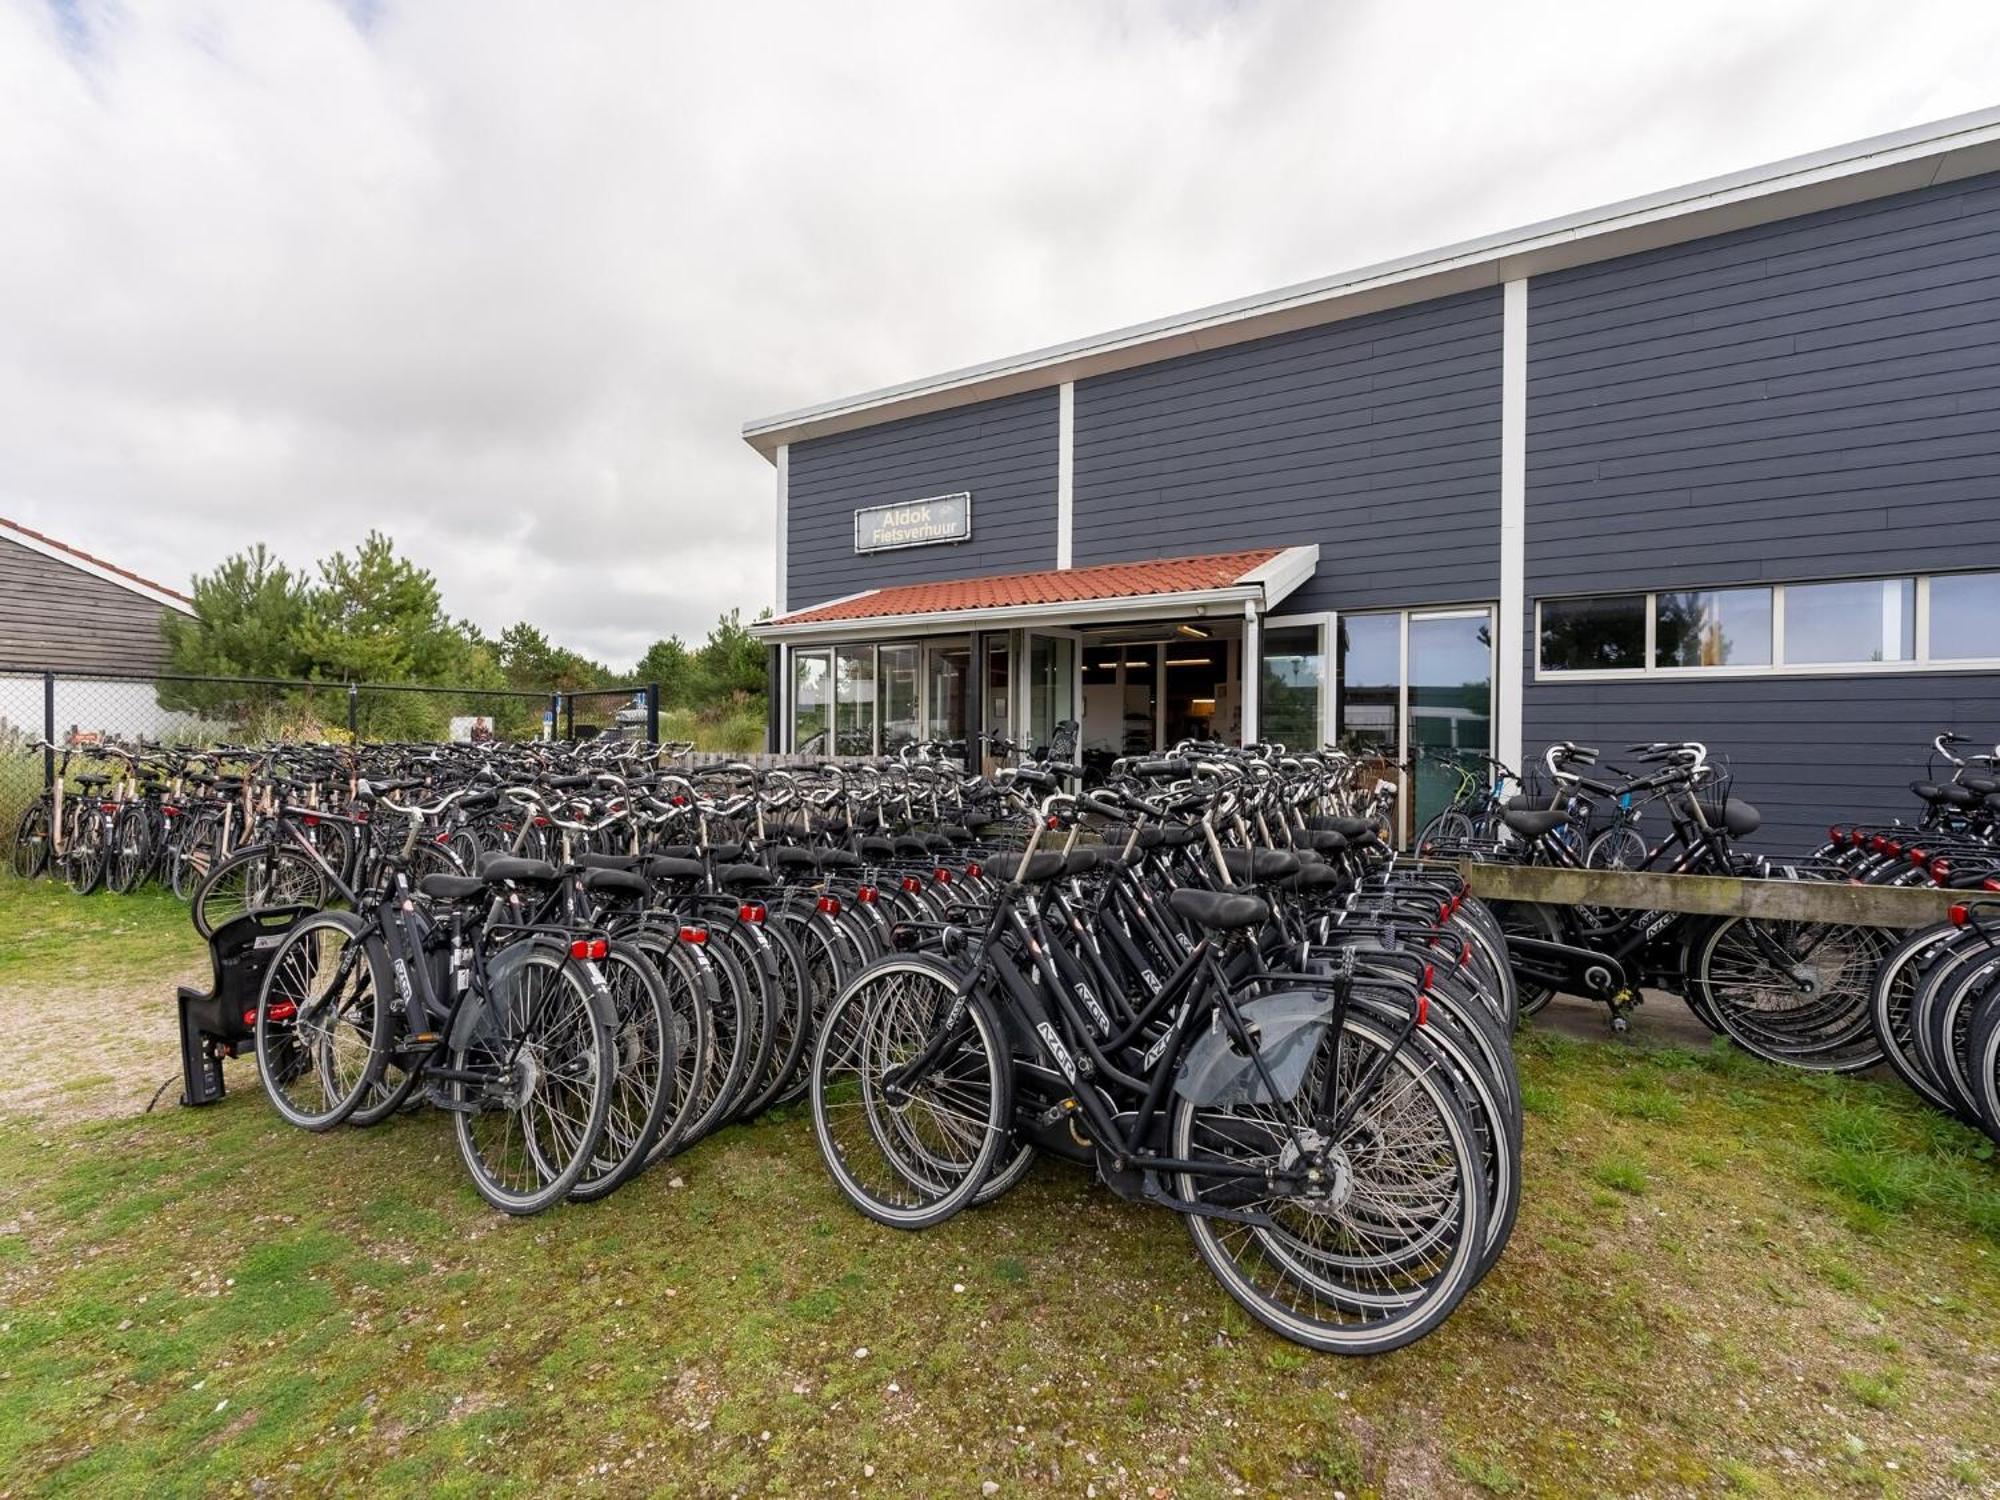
[(898, 689), (1713, 628), (1051, 683), (1371, 671), (1866, 620), (999, 689), (854, 700), (1293, 683), (1965, 616), (1603, 634), (812, 701)]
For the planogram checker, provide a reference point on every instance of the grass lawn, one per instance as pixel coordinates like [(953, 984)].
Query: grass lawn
[(1726, 1279)]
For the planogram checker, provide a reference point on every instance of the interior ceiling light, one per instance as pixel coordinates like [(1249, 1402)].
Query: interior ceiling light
[(1192, 632), (1189, 661)]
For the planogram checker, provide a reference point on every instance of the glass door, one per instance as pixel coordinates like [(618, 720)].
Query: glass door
[(1413, 680), (1051, 692), (1295, 683), (1448, 699)]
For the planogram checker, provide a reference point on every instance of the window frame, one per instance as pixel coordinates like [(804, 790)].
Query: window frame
[(1920, 661)]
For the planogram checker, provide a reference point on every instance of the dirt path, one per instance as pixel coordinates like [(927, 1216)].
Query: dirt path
[(91, 1051)]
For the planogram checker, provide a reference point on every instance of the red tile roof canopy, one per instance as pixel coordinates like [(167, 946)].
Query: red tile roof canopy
[(1131, 580)]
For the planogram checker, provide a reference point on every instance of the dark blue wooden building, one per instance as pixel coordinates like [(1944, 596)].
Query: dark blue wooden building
[(1721, 463)]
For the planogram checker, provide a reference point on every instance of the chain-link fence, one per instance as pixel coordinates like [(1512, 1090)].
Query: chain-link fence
[(81, 710)]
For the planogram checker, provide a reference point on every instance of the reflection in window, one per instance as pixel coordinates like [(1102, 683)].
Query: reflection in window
[(1713, 628), (1604, 634), (1293, 683), (812, 673), (947, 684), (1862, 620), (1371, 674), (1965, 616), (898, 688), (854, 700)]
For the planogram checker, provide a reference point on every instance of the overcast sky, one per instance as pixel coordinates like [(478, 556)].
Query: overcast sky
[(506, 279)]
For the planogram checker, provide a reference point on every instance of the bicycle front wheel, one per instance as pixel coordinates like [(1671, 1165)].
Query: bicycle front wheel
[(319, 1029), (31, 842)]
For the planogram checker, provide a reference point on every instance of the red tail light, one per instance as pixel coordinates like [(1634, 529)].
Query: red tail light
[(280, 1010), (1054, 821), (589, 948), (751, 911), (828, 904), (1836, 834), (442, 838), (1989, 884), (912, 884), (541, 822), (110, 807), (677, 801), (1959, 915), (865, 893), (1430, 976), (311, 820), (1423, 1009), (1918, 857), (696, 935), (941, 875), (973, 872), (170, 812), (1940, 870)]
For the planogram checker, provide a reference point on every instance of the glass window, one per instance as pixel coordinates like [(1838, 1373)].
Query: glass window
[(854, 700), (998, 688), (1604, 634), (1371, 676), (1864, 620), (812, 682), (1713, 628), (1292, 686), (1051, 681), (1965, 616), (947, 689), (898, 688)]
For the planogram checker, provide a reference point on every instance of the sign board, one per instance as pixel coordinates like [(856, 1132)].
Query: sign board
[(914, 523)]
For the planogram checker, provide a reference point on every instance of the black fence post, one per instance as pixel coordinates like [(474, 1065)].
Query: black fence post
[(48, 730), (353, 712), (569, 716), (653, 712), (555, 712)]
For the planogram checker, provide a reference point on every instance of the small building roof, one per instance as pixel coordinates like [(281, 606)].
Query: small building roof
[(97, 567)]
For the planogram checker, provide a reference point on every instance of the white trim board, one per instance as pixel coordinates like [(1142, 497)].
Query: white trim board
[(1510, 650), (1065, 473), (57, 553)]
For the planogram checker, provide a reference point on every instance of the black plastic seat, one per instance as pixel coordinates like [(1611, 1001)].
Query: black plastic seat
[(452, 888), (909, 844), (875, 847), (1740, 818), (663, 867), (1532, 823), (1348, 828), (1220, 911), (744, 877), (1324, 840), (837, 859), (1259, 864), (1314, 878), (616, 883), (497, 869), (611, 861), (788, 858), (1048, 865)]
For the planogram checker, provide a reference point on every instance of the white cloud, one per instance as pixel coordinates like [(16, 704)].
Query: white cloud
[(505, 279)]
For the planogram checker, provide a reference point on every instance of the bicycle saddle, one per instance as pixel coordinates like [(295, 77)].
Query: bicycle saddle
[(1259, 864), (1532, 823), (1221, 911), (452, 888), (740, 876), (502, 869), (615, 883)]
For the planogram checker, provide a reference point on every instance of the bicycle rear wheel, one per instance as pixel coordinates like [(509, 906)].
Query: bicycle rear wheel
[(909, 1155), (257, 879), (540, 1045)]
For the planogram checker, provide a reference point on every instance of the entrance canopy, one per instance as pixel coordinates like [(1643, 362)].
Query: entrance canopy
[(1217, 584)]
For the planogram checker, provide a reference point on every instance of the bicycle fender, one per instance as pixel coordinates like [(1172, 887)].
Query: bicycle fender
[(1287, 1028)]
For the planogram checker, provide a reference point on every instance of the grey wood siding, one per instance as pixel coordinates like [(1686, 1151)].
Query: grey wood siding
[(1809, 399), (1003, 452), (1378, 438), (53, 615), (1806, 750)]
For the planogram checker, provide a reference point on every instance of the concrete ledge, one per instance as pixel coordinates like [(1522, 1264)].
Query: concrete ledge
[(1717, 895)]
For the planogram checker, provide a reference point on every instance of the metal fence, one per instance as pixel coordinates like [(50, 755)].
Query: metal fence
[(80, 710)]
